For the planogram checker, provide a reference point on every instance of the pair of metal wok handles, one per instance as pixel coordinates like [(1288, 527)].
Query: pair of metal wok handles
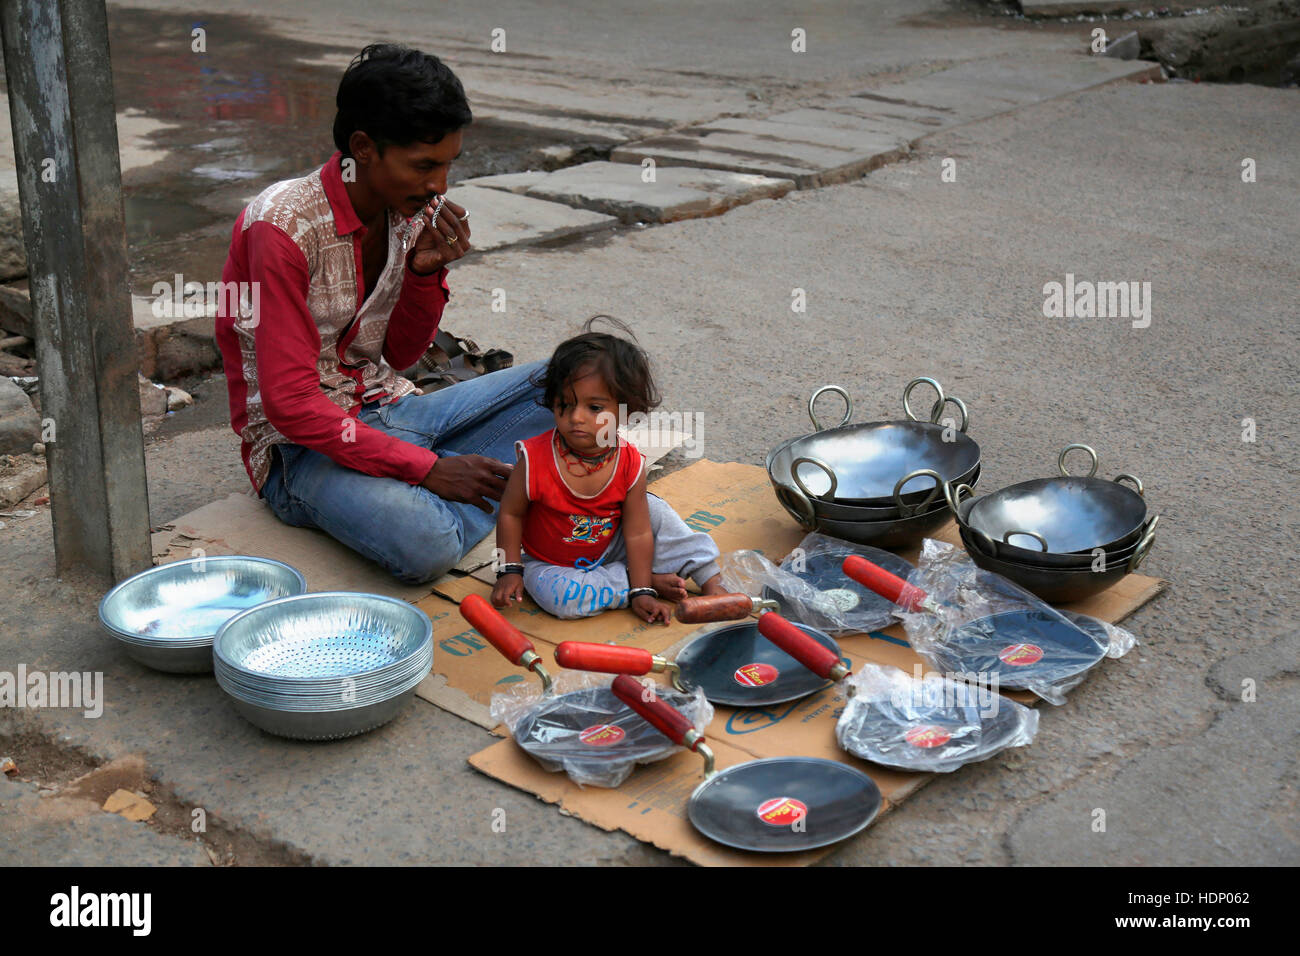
[(904, 509), (958, 494)]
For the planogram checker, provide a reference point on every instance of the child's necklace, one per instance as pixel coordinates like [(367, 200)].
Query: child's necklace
[(588, 464)]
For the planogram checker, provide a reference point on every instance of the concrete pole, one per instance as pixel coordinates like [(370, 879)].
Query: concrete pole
[(70, 187)]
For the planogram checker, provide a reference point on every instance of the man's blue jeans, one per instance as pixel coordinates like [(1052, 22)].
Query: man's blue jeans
[(407, 529)]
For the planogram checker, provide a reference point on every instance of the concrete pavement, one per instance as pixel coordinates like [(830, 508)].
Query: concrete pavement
[(933, 265), (905, 274)]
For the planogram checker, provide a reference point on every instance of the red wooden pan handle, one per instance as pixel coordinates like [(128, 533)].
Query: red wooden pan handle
[(715, 607), (503, 635), (888, 586), (604, 658), (818, 659), (664, 718)]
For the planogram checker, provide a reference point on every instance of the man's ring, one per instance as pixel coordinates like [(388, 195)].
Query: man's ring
[(452, 240), (465, 217)]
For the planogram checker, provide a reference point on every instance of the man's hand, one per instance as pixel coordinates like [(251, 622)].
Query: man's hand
[(442, 241), (469, 479), (650, 610), (509, 587)]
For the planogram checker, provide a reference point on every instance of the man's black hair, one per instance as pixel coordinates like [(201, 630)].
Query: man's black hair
[(623, 364), (400, 96)]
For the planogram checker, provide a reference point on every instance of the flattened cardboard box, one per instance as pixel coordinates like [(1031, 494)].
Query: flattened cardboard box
[(651, 805)]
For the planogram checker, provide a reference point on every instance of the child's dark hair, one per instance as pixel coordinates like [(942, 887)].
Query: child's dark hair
[(622, 363)]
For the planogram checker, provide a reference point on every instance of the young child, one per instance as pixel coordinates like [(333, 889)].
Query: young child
[(577, 528)]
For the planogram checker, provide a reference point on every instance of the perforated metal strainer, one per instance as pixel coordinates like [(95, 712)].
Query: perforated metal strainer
[(323, 665)]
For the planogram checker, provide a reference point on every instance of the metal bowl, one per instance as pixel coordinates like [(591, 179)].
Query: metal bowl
[(168, 616), (1057, 516), (1061, 585), (797, 503), (898, 533), (316, 641), (1066, 562), (860, 464), (1116, 551), (324, 725)]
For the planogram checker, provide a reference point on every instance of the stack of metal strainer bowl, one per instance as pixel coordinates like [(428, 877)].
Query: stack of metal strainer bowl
[(324, 666)]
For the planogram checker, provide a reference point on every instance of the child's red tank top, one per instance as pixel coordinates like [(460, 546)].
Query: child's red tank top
[(562, 526)]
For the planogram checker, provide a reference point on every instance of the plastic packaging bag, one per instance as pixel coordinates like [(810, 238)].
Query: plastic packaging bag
[(748, 572), (818, 561), (584, 730), (970, 630), (930, 724)]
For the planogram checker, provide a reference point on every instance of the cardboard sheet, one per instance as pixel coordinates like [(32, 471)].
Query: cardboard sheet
[(736, 503), (243, 524)]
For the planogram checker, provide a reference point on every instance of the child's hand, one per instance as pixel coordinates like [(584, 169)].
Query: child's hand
[(508, 588), (650, 610)]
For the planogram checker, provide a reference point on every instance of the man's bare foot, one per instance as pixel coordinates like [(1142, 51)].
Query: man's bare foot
[(669, 586), (713, 586)]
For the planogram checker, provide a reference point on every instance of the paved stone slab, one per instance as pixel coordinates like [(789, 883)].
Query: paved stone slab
[(817, 147), (509, 182), (678, 192), (1070, 8), (809, 155), (984, 88), (499, 219)]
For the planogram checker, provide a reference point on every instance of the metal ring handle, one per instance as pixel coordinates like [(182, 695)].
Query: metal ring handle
[(1030, 534), (937, 412), (1060, 460), (801, 511), (1144, 546), (830, 472), (1137, 482), (848, 406), (953, 494), (908, 511), (907, 394)]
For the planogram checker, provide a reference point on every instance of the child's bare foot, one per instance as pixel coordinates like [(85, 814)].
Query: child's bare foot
[(713, 586), (669, 586)]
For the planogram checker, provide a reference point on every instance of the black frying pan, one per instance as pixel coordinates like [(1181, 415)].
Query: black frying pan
[(1024, 648), (587, 733), (775, 805), (736, 666)]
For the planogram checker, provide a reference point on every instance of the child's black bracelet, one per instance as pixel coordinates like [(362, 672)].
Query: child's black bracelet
[(510, 569), (635, 593)]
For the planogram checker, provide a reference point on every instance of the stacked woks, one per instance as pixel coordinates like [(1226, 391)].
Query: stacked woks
[(879, 483), (1062, 538), (167, 617), (324, 666)]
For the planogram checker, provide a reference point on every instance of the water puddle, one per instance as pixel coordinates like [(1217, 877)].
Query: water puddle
[(244, 114)]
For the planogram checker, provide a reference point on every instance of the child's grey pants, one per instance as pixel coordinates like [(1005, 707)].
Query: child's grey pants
[(575, 592)]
